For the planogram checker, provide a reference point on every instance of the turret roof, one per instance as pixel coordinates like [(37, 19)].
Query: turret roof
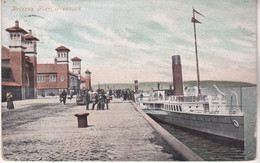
[(30, 37), (62, 48), (87, 71), (76, 59), (16, 29)]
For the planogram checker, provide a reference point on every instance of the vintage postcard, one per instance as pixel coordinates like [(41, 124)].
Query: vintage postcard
[(128, 80)]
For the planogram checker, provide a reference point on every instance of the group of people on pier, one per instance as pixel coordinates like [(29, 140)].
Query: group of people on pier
[(124, 93), (100, 99)]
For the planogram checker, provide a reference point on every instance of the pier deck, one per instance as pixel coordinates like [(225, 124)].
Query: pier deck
[(43, 129)]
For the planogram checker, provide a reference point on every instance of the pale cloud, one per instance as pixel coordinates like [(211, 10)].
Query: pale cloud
[(242, 43), (113, 38), (91, 38), (162, 19)]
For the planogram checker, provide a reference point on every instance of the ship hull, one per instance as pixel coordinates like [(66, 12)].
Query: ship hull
[(223, 126)]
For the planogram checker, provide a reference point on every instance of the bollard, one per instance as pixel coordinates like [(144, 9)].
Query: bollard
[(82, 119)]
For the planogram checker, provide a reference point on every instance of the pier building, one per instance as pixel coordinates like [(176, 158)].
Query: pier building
[(19, 64)]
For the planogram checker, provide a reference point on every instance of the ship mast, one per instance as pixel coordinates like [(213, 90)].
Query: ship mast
[(194, 21)]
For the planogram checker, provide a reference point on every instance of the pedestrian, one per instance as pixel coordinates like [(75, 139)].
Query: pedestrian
[(64, 95), (160, 96), (141, 97), (104, 100), (95, 102), (87, 98), (9, 99), (99, 102), (61, 98)]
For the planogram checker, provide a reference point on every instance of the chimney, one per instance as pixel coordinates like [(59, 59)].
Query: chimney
[(136, 85), (16, 23), (30, 32), (177, 75)]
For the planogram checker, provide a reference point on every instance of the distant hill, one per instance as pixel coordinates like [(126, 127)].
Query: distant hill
[(166, 85), (209, 83)]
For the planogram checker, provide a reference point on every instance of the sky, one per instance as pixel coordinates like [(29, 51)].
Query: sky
[(120, 41)]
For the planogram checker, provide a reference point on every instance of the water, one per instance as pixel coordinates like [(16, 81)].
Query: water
[(211, 150)]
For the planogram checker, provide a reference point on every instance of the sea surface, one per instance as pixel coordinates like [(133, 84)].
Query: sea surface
[(211, 150)]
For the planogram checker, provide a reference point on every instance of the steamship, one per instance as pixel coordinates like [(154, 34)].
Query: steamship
[(206, 114)]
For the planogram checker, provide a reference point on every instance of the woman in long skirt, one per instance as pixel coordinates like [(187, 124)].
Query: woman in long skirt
[(9, 97)]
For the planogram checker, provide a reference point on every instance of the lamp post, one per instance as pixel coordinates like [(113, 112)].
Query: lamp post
[(78, 83)]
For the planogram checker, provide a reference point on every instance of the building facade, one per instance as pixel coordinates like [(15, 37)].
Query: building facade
[(54, 78), (19, 64)]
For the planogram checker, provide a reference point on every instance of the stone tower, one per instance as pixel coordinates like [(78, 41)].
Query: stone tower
[(17, 55), (62, 55), (76, 65), (31, 52), (88, 79)]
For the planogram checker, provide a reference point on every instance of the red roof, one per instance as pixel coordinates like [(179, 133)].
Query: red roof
[(9, 83), (87, 71), (71, 73), (5, 53), (47, 68), (62, 48), (16, 29), (82, 79), (76, 59), (30, 37)]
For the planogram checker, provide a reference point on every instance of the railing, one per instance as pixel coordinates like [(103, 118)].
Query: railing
[(187, 98)]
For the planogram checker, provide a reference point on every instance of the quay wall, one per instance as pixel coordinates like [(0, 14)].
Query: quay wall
[(174, 143)]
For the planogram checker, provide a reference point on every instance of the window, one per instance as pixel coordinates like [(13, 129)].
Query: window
[(40, 78), (180, 108), (58, 54), (52, 78), (62, 78), (174, 108), (11, 35)]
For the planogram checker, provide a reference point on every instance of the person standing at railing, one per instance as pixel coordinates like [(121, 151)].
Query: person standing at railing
[(160, 96), (141, 97)]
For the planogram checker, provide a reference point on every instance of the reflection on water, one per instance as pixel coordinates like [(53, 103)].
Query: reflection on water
[(211, 150), (205, 148)]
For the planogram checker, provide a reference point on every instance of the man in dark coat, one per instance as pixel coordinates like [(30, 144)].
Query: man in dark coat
[(104, 100), (63, 96), (95, 102), (87, 98)]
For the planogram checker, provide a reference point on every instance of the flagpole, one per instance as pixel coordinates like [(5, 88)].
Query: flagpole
[(196, 51)]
